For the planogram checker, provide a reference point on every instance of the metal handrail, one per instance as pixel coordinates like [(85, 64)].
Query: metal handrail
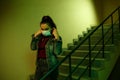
[(87, 37)]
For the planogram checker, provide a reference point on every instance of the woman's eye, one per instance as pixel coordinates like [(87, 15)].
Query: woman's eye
[(47, 29)]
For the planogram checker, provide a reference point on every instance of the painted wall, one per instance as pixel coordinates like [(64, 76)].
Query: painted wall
[(109, 6), (20, 19)]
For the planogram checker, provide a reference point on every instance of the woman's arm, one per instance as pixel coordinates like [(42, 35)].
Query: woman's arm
[(35, 38), (57, 42), (33, 44), (58, 46)]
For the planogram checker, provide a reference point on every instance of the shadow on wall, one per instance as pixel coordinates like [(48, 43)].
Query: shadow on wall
[(98, 6), (6, 6), (104, 7)]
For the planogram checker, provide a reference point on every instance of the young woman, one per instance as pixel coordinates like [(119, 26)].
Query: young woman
[(48, 44)]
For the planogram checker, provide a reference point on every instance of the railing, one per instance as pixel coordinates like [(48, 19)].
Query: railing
[(105, 39)]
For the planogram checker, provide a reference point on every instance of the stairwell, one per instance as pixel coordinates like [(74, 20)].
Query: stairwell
[(93, 55), (101, 66)]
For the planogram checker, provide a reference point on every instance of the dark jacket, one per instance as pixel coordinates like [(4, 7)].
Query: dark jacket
[(52, 47)]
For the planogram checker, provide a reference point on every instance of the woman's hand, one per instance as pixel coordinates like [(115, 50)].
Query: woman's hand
[(38, 33), (55, 33)]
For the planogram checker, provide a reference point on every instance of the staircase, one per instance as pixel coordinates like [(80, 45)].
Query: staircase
[(101, 66), (93, 55)]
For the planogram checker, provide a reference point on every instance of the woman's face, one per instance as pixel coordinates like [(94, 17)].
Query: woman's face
[(45, 26), (46, 30)]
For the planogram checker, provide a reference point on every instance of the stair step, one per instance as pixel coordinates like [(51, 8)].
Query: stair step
[(93, 41), (83, 53), (81, 66), (76, 60), (106, 27), (63, 76), (75, 57), (86, 47)]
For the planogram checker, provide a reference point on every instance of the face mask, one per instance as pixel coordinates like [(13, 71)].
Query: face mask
[(46, 33)]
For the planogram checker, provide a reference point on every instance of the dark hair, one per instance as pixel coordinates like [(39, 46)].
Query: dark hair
[(48, 20)]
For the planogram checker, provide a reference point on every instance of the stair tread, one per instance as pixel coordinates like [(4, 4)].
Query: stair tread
[(87, 51), (75, 57), (71, 44), (63, 74), (75, 77), (81, 66)]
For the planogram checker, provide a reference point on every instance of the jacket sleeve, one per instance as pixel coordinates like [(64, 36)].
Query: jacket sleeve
[(58, 46), (33, 44)]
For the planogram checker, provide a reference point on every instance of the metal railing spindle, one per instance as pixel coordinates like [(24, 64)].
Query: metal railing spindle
[(103, 42), (112, 29), (70, 76), (119, 17), (89, 41)]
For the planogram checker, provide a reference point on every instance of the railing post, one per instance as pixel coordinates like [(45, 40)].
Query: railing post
[(70, 76), (112, 29), (119, 17), (103, 41), (89, 41)]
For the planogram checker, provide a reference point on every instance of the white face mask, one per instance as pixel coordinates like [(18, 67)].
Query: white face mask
[(46, 33)]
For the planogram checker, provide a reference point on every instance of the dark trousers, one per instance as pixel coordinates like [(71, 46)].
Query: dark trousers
[(42, 69)]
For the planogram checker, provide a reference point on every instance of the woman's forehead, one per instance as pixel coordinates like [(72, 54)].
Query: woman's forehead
[(44, 26)]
